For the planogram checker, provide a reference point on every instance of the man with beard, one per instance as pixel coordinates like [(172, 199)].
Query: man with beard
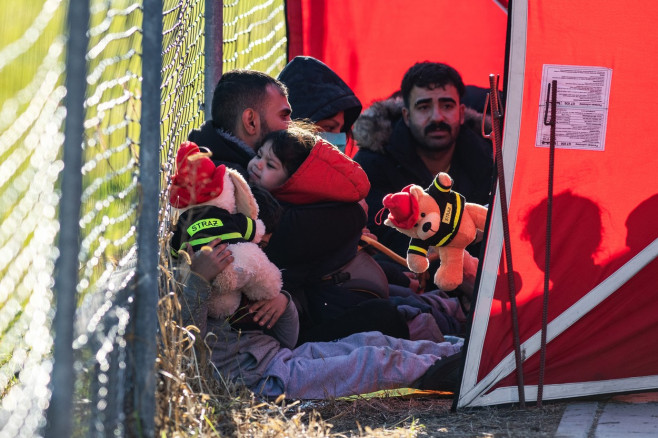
[(415, 134), (246, 106)]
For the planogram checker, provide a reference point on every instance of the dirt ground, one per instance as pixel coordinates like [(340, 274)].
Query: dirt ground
[(192, 402), (432, 417)]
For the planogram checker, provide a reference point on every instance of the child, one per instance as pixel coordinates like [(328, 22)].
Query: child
[(267, 363), (319, 188)]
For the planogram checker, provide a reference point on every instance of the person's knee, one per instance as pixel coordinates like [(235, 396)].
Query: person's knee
[(384, 311)]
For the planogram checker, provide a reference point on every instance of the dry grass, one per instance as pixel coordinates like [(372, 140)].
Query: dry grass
[(433, 417), (191, 402)]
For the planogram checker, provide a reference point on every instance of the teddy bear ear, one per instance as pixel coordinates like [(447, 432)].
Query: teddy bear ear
[(245, 202), (416, 191)]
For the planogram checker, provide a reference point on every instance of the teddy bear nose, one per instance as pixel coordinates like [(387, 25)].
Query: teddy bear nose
[(427, 226)]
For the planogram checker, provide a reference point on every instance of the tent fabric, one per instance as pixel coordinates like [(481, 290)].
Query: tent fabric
[(370, 45), (603, 312)]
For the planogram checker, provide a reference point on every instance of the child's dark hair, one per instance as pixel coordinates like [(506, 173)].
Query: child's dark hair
[(293, 145), (269, 209)]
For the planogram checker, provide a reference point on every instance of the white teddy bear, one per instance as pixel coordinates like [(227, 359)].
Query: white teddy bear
[(215, 201)]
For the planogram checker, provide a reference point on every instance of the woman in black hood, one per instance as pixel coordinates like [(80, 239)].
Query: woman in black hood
[(317, 93)]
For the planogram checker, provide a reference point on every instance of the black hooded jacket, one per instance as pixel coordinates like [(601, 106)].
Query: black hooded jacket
[(226, 148), (315, 92)]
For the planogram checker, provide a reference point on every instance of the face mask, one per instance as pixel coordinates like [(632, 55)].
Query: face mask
[(337, 139)]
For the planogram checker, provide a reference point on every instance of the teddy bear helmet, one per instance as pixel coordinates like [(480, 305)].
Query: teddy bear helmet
[(403, 208), (197, 179)]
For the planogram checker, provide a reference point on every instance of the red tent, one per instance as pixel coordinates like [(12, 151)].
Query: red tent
[(602, 314), (370, 44)]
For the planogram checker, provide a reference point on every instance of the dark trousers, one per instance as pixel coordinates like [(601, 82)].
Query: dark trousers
[(337, 313)]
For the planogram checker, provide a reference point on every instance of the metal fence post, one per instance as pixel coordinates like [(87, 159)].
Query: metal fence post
[(147, 294), (58, 416), (213, 51)]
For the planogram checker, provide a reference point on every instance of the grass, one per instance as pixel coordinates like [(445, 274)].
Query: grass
[(191, 401), (433, 417)]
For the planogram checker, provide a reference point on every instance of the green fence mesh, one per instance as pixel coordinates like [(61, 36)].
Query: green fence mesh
[(32, 118)]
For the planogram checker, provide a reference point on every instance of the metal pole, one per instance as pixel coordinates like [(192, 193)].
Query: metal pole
[(145, 316), (496, 119), (58, 416), (213, 51), (551, 102)]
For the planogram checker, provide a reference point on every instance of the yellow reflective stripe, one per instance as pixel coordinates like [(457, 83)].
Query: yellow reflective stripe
[(418, 249), (211, 238), (203, 224), (440, 187), (250, 229), (446, 237), (459, 211), (454, 222)]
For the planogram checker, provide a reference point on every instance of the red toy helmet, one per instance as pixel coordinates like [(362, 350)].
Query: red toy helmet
[(403, 208), (197, 180)]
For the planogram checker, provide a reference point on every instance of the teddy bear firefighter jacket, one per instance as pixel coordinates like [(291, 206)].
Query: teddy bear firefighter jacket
[(201, 225)]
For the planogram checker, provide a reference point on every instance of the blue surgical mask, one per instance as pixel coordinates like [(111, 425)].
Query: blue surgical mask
[(337, 139)]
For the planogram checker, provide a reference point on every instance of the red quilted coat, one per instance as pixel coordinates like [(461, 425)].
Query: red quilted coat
[(327, 175)]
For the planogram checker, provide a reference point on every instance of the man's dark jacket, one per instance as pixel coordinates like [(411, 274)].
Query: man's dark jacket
[(387, 154), (226, 148)]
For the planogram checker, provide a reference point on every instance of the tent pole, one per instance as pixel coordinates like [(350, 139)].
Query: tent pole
[(551, 100), (496, 120)]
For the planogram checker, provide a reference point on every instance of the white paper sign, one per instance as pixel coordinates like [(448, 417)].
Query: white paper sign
[(582, 107)]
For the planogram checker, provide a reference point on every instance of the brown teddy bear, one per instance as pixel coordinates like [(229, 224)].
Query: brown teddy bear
[(436, 217)]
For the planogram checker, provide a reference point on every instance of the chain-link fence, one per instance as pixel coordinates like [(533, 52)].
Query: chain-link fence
[(96, 96)]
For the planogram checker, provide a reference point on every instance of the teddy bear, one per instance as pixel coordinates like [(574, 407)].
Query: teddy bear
[(215, 201), (437, 217)]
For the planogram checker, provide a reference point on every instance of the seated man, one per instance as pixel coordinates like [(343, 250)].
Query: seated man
[(409, 139)]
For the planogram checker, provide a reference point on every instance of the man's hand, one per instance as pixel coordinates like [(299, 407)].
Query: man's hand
[(268, 312), (366, 232), (210, 260)]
